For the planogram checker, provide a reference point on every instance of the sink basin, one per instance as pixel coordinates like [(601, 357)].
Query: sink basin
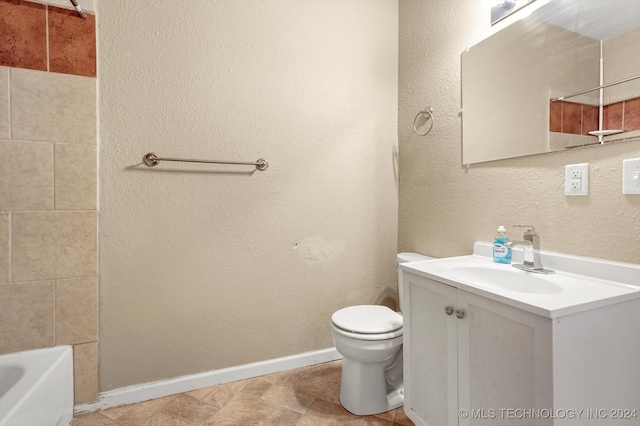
[(579, 283), (505, 278)]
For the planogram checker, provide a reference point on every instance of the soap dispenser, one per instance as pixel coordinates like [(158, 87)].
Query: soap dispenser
[(501, 253)]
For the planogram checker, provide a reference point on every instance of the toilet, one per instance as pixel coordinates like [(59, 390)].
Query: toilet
[(369, 338)]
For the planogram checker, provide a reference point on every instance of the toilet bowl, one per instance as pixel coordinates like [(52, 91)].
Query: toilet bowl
[(369, 338)]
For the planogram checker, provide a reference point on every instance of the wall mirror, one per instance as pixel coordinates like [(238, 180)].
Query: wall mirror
[(566, 76)]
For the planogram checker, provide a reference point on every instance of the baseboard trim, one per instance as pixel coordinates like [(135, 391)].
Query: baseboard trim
[(147, 391)]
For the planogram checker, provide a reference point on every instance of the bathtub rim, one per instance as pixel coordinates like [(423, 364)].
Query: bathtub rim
[(38, 365)]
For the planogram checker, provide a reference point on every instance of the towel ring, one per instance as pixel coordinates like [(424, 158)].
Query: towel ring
[(428, 112)]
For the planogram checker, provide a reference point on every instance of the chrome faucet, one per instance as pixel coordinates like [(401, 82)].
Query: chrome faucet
[(531, 243)]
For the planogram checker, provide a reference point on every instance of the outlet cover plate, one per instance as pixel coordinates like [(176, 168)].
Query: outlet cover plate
[(631, 176), (576, 179)]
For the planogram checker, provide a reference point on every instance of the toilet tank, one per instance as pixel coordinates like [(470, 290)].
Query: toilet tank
[(406, 257)]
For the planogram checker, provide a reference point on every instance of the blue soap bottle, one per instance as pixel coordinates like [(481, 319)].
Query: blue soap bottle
[(501, 253)]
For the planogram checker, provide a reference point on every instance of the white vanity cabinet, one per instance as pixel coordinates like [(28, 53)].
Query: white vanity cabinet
[(472, 360)]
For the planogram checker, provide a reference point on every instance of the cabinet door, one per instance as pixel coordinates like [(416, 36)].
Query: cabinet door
[(430, 352), (504, 363)]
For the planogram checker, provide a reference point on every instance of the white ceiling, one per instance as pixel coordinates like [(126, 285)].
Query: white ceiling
[(598, 19)]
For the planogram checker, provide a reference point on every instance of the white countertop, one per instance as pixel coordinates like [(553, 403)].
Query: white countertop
[(563, 293)]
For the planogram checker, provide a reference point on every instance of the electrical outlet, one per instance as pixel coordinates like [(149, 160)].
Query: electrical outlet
[(576, 179)]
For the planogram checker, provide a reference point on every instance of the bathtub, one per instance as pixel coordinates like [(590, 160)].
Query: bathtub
[(36, 387)]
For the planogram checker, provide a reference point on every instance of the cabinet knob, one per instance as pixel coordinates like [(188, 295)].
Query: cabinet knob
[(459, 314), (448, 310)]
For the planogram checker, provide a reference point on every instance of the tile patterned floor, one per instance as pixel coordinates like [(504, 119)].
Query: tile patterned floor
[(306, 396)]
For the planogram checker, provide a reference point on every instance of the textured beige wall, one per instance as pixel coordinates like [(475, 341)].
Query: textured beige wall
[(205, 267), (445, 207)]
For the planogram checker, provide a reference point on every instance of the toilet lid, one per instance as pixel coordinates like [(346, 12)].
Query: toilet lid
[(367, 319)]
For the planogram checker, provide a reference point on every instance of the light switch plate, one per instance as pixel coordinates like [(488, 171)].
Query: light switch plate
[(576, 179), (631, 176)]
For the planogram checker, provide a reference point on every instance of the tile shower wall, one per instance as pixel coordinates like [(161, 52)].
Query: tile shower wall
[(48, 207), (580, 119), (573, 118)]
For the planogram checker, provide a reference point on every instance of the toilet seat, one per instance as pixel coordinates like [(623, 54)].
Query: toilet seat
[(369, 337), (367, 322)]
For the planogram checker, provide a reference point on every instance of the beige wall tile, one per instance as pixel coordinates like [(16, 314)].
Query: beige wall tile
[(4, 103), (75, 177), (76, 311), (85, 372), (52, 245), (53, 107), (4, 247), (26, 176), (26, 316)]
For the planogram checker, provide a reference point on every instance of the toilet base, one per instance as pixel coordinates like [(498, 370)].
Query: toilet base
[(363, 389)]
